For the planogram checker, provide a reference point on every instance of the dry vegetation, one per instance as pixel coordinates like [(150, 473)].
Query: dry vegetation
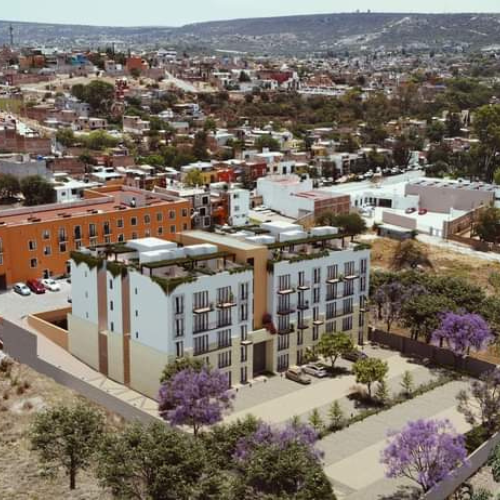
[(23, 392), (444, 262)]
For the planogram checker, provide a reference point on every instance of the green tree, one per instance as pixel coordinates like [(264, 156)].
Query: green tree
[(351, 224), (67, 437), (37, 191), (65, 137), (487, 128), (370, 370), (336, 415), (98, 94), (334, 345), (209, 125), (153, 462), (382, 393), (422, 314), (267, 141), (9, 186), (99, 140), (407, 384), (496, 177), (409, 254), (179, 365), (453, 125), (194, 178), (316, 421), (487, 228), (200, 145)]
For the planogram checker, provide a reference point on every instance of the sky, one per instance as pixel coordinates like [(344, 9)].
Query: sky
[(178, 12)]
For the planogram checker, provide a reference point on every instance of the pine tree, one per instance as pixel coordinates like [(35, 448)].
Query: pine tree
[(316, 421), (382, 392), (336, 415), (407, 384)]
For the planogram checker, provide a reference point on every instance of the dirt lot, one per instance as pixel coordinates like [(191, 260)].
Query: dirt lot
[(21, 475), (444, 262)]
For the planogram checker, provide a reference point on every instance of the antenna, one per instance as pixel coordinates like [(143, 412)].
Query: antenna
[(11, 32)]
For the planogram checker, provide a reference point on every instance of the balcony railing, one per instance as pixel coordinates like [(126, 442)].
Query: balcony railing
[(203, 308), (226, 304), (303, 325), (286, 330), (285, 310), (287, 291), (331, 296), (304, 286), (303, 305)]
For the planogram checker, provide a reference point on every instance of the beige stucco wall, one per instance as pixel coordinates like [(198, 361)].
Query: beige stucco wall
[(83, 340), (146, 367), (115, 357)]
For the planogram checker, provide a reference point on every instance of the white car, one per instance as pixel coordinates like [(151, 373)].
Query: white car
[(316, 370), (51, 285), (21, 289)]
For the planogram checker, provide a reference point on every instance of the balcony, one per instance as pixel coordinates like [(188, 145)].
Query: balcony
[(304, 286), (285, 310), (333, 281), (303, 325), (303, 305), (331, 297), (286, 330), (287, 291), (203, 308), (226, 304), (318, 322), (351, 277)]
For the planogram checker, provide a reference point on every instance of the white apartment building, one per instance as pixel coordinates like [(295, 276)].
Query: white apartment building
[(246, 303)]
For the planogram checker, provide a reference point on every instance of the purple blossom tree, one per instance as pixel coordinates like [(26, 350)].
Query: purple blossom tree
[(425, 451), (292, 434), (463, 332), (195, 398)]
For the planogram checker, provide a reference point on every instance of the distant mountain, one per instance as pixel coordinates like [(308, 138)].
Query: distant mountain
[(293, 34)]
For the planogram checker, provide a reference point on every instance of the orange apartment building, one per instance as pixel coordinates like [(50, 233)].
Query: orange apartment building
[(36, 242)]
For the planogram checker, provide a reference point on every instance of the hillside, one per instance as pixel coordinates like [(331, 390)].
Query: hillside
[(293, 34)]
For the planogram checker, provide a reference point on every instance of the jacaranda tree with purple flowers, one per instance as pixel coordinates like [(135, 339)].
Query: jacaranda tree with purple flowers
[(195, 398), (425, 451), (281, 463), (462, 332)]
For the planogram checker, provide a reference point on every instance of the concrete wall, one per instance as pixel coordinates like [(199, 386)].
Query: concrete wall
[(399, 220), (115, 357), (21, 345), (42, 323), (83, 340)]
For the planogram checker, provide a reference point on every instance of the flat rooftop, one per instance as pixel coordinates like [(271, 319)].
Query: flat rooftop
[(319, 195), (221, 239), (453, 184)]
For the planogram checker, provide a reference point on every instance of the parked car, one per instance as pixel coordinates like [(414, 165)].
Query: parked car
[(21, 289), (354, 356), (35, 286), (422, 211), (316, 370), (295, 373), (410, 210), (51, 285)]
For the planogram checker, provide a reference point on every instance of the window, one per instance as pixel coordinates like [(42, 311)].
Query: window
[(111, 284), (361, 320), (136, 313), (362, 284), (348, 288), (63, 247), (243, 353), (179, 349), (331, 291), (300, 357), (244, 311), (92, 231), (315, 333), (119, 223), (33, 263), (283, 362), (200, 323), (184, 227), (316, 275), (184, 212), (160, 231), (347, 324), (201, 345), (349, 268), (121, 238), (364, 266), (283, 342), (179, 304), (224, 359), (107, 240), (47, 250), (179, 327), (112, 326), (173, 229), (147, 219), (147, 233), (224, 317), (302, 278), (77, 231), (200, 300), (300, 337), (316, 295), (244, 291), (331, 310), (224, 295), (332, 272), (111, 305), (171, 214), (134, 236), (159, 217), (133, 221), (244, 332), (224, 339), (32, 245), (347, 306), (284, 282), (243, 375), (330, 327), (106, 228), (46, 234)]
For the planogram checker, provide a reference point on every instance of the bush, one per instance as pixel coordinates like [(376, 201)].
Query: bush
[(475, 438)]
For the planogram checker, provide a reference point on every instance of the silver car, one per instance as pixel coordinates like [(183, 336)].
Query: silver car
[(21, 289), (316, 370)]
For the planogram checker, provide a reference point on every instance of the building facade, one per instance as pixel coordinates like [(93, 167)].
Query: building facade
[(245, 303)]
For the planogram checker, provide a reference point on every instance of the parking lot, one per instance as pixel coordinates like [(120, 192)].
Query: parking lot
[(15, 307)]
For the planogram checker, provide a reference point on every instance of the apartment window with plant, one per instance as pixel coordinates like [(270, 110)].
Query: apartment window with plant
[(224, 339), (347, 324), (224, 359), (333, 272), (179, 349), (201, 345)]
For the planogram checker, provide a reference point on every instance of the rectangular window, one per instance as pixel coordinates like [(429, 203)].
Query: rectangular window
[(172, 214), (160, 231), (364, 266), (362, 284), (283, 362), (179, 304), (200, 323), (179, 327), (348, 288), (179, 349), (46, 234), (201, 345), (283, 342), (347, 306), (92, 231), (47, 250), (316, 275), (133, 221), (315, 333), (106, 228), (244, 312), (316, 295), (300, 357), (224, 359), (331, 310), (33, 263), (147, 219), (184, 212), (347, 324), (349, 268), (300, 337), (119, 223), (243, 353), (159, 217), (173, 229), (330, 327), (63, 247), (224, 339), (121, 238), (244, 332), (333, 272), (331, 291), (243, 375), (284, 282), (224, 317), (244, 291), (32, 245)]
